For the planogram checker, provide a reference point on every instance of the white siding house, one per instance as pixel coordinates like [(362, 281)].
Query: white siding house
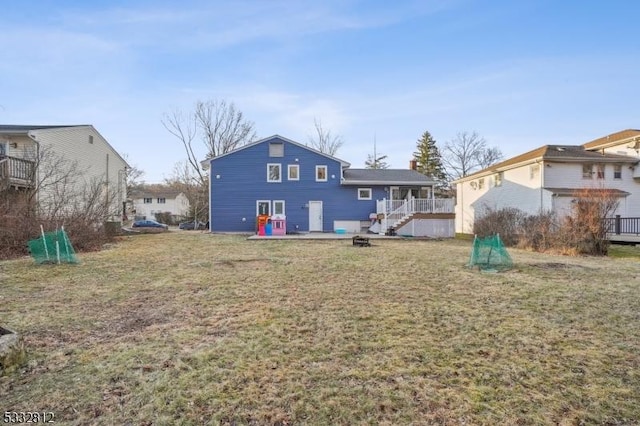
[(29, 155), (546, 179), (147, 203)]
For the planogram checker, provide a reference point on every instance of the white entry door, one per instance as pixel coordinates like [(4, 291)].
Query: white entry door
[(315, 216)]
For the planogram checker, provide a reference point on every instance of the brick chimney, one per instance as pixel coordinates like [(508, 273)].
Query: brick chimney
[(413, 165)]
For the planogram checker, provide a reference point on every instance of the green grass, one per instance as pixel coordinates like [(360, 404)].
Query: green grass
[(189, 328), (624, 250)]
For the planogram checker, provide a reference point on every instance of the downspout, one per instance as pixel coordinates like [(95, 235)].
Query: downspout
[(541, 165), (37, 169)]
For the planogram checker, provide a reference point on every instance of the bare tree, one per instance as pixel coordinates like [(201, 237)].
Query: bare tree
[(133, 175), (323, 140), (184, 180), (58, 194), (466, 153), (223, 127), (183, 127), (586, 225), (220, 126)]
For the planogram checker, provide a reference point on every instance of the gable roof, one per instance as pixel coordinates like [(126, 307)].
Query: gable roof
[(19, 129), (22, 129), (613, 139), (558, 153), (206, 162), (385, 177)]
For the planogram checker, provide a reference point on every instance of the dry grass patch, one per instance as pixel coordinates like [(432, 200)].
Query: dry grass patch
[(189, 328)]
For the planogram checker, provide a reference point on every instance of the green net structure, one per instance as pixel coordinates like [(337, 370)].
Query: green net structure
[(489, 254), (53, 247)]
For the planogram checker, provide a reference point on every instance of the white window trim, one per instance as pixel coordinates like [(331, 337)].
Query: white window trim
[(365, 189), (258, 204), (326, 173), (289, 166), (589, 174), (614, 172), (269, 174), (284, 211)]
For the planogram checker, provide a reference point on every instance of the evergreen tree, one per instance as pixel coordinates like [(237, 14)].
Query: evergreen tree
[(376, 163), (429, 161)]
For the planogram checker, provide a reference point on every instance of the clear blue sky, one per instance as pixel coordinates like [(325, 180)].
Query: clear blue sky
[(520, 73)]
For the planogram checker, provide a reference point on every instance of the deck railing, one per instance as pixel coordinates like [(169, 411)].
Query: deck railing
[(394, 211), (16, 170), (622, 225)]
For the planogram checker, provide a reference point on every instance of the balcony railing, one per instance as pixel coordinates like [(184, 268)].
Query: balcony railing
[(16, 171)]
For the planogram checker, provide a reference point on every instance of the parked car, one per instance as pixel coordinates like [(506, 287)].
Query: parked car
[(191, 225), (149, 224)]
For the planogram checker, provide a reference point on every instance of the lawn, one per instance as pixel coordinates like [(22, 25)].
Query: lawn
[(190, 328)]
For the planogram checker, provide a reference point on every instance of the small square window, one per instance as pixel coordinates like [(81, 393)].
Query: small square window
[(148, 200), (321, 173), (276, 149), (617, 171), (274, 173), (293, 172), (364, 193), (162, 200)]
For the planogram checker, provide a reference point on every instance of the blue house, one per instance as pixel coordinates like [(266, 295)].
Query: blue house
[(312, 191)]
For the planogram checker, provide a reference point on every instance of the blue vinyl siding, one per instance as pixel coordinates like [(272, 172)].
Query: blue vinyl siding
[(239, 179)]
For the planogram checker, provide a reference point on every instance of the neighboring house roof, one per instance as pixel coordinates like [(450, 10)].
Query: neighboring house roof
[(385, 177), (17, 129), (613, 139), (557, 153), (205, 163), (571, 192), (24, 129), (154, 193)]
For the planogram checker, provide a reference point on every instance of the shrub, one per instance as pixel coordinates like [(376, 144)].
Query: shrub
[(506, 221)]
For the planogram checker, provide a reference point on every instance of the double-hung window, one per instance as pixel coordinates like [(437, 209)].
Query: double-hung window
[(617, 171), (321, 173), (293, 172), (278, 207), (274, 172)]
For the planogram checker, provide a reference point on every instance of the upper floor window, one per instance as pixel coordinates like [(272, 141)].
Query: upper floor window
[(481, 183), (276, 149), (148, 200), (617, 171), (274, 172), (321, 173), (293, 172), (90, 138), (497, 179), (162, 200), (587, 171), (3, 148), (534, 171), (600, 171), (364, 193)]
